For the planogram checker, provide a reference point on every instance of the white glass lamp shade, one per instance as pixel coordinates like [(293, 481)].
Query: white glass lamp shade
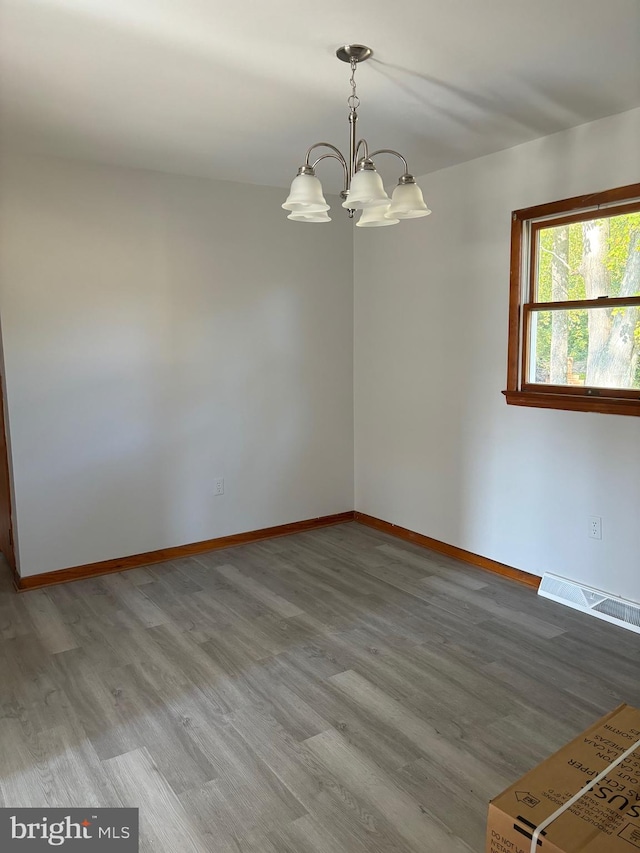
[(407, 203), (375, 216), (299, 216), (305, 195), (366, 190)]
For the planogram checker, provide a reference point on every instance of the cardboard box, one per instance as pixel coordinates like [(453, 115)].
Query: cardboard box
[(604, 820)]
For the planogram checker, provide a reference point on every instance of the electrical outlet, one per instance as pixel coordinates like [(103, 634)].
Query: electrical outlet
[(218, 486), (595, 527)]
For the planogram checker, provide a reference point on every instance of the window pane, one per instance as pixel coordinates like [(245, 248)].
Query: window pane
[(586, 260), (586, 346)]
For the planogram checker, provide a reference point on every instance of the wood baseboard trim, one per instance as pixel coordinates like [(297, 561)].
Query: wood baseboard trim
[(135, 561), (122, 564), (15, 577), (450, 550)]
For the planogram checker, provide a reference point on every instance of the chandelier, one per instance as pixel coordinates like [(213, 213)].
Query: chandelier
[(363, 188)]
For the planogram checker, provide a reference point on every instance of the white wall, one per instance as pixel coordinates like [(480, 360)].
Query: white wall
[(437, 448), (158, 332)]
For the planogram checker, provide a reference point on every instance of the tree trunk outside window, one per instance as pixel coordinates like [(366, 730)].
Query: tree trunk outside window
[(559, 319), (613, 353)]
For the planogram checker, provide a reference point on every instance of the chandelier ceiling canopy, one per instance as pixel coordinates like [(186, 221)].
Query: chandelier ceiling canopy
[(363, 188)]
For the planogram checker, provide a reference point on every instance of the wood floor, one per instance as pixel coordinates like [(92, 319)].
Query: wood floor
[(337, 691)]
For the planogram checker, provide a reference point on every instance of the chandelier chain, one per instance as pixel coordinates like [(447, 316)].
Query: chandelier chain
[(353, 100)]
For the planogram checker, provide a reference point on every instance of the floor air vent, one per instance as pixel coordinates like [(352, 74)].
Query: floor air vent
[(608, 607)]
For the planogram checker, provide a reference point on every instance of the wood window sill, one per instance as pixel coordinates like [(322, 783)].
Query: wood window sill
[(574, 402)]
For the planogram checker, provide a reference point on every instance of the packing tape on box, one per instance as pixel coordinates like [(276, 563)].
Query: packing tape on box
[(545, 823)]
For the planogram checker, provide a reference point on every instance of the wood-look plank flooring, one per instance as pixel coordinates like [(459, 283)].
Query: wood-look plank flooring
[(335, 691)]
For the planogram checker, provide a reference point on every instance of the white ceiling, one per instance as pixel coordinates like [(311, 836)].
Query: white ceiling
[(239, 90)]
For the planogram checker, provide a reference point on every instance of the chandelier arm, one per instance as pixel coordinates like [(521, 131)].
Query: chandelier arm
[(324, 145), (340, 160), (365, 145), (395, 154)]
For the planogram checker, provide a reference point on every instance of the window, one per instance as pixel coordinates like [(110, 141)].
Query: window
[(574, 315)]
